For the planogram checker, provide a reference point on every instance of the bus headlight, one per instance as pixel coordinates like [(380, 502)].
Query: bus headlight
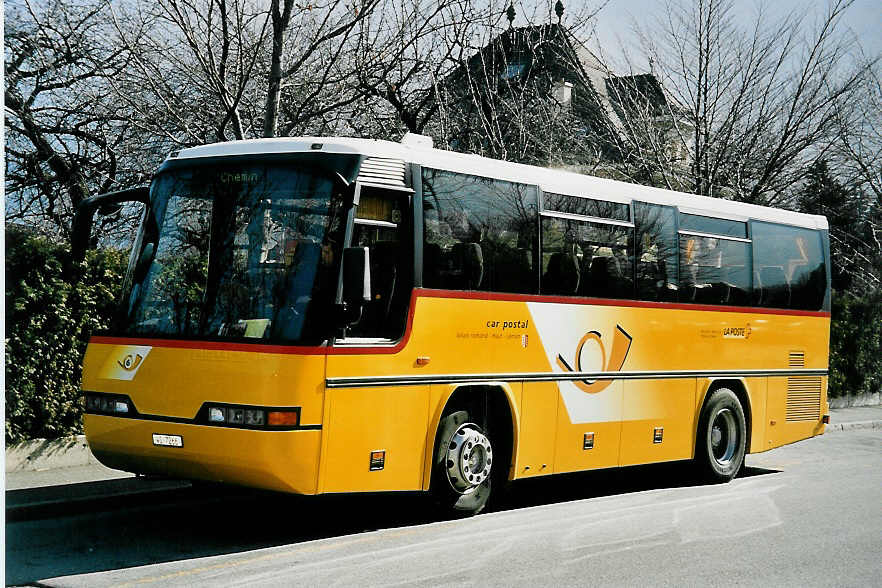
[(107, 404), (250, 417)]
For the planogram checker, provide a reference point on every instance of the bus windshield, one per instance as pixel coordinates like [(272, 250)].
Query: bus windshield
[(237, 252)]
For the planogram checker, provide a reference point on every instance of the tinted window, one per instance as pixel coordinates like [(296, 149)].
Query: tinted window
[(714, 271), (714, 226), (586, 259), (656, 256), (586, 206), (238, 252), (381, 225), (480, 233), (789, 267)]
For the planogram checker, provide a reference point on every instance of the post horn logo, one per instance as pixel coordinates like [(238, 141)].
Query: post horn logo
[(620, 347), (130, 362)]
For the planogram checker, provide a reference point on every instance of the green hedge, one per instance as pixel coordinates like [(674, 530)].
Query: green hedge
[(48, 322), (856, 344)]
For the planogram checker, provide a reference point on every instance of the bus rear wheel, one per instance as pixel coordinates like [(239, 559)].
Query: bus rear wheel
[(721, 440), (461, 473)]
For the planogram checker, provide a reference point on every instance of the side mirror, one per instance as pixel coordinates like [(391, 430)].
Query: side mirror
[(85, 214), (356, 282)]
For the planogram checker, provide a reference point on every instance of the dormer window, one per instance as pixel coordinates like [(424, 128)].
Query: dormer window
[(513, 70)]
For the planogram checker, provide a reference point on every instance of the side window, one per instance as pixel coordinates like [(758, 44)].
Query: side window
[(480, 233), (789, 267), (381, 225), (586, 206), (716, 226), (656, 252), (583, 258), (714, 270)]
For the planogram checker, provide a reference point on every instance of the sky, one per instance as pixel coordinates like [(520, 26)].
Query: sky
[(863, 18)]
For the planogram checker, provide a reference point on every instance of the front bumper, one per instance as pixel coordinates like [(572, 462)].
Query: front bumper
[(285, 461)]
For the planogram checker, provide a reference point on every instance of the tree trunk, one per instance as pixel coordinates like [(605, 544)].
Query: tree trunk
[(280, 18)]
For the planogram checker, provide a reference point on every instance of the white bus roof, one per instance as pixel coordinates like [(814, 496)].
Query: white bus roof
[(550, 180)]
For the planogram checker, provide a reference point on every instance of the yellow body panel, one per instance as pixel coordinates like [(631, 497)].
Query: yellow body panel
[(276, 460), (362, 420), (758, 394), (781, 431), (484, 339), (571, 455), (175, 382), (658, 403), (539, 414)]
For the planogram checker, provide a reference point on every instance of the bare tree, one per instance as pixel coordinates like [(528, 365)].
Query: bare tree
[(315, 39), (211, 70), (63, 140), (859, 146), (192, 78), (756, 102), (478, 83)]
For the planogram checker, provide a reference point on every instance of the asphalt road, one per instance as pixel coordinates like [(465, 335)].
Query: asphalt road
[(806, 514)]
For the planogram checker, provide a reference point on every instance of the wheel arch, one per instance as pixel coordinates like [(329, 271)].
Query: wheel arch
[(494, 402)]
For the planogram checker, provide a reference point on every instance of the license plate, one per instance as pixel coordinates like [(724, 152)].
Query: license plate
[(168, 440)]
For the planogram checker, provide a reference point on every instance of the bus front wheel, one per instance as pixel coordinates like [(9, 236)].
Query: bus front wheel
[(721, 440), (462, 466)]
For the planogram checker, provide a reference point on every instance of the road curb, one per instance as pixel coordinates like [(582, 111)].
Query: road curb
[(42, 454), (875, 424)]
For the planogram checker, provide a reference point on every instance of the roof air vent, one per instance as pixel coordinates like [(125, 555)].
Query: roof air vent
[(382, 171)]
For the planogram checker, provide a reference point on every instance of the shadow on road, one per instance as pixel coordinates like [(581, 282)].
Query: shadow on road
[(214, 520), (595, 484)]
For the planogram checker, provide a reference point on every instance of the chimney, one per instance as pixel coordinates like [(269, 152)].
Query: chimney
[(562, 92)]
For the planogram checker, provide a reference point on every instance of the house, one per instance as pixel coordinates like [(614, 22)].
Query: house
[(536, 81)]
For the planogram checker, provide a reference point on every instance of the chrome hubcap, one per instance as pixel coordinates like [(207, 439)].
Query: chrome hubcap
[(724, 437), (469, 458)]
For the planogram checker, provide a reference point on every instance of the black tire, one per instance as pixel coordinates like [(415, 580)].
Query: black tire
[(451, 491), (721, 439)]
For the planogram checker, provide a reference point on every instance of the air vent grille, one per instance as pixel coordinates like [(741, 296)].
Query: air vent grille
[(803, 398), (797, 359), (384, 171)]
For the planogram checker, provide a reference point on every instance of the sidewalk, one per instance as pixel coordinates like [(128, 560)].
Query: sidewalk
[(857, 417), (51, 490)]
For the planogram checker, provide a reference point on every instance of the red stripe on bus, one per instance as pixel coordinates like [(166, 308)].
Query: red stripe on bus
[(263, 347), (209, 345), (432, 293)]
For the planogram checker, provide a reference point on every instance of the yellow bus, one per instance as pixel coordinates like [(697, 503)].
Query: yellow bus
[(335, 315)]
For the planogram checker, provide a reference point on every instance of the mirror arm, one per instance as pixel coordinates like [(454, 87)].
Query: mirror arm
[(81, 230)]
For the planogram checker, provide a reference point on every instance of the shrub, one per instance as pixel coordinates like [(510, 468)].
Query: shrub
[(856, 344), (48, 322)]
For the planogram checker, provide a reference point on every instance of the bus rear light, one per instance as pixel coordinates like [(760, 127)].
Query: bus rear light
[(826, 419), (283, 417), (254, 417), (217, 414)]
